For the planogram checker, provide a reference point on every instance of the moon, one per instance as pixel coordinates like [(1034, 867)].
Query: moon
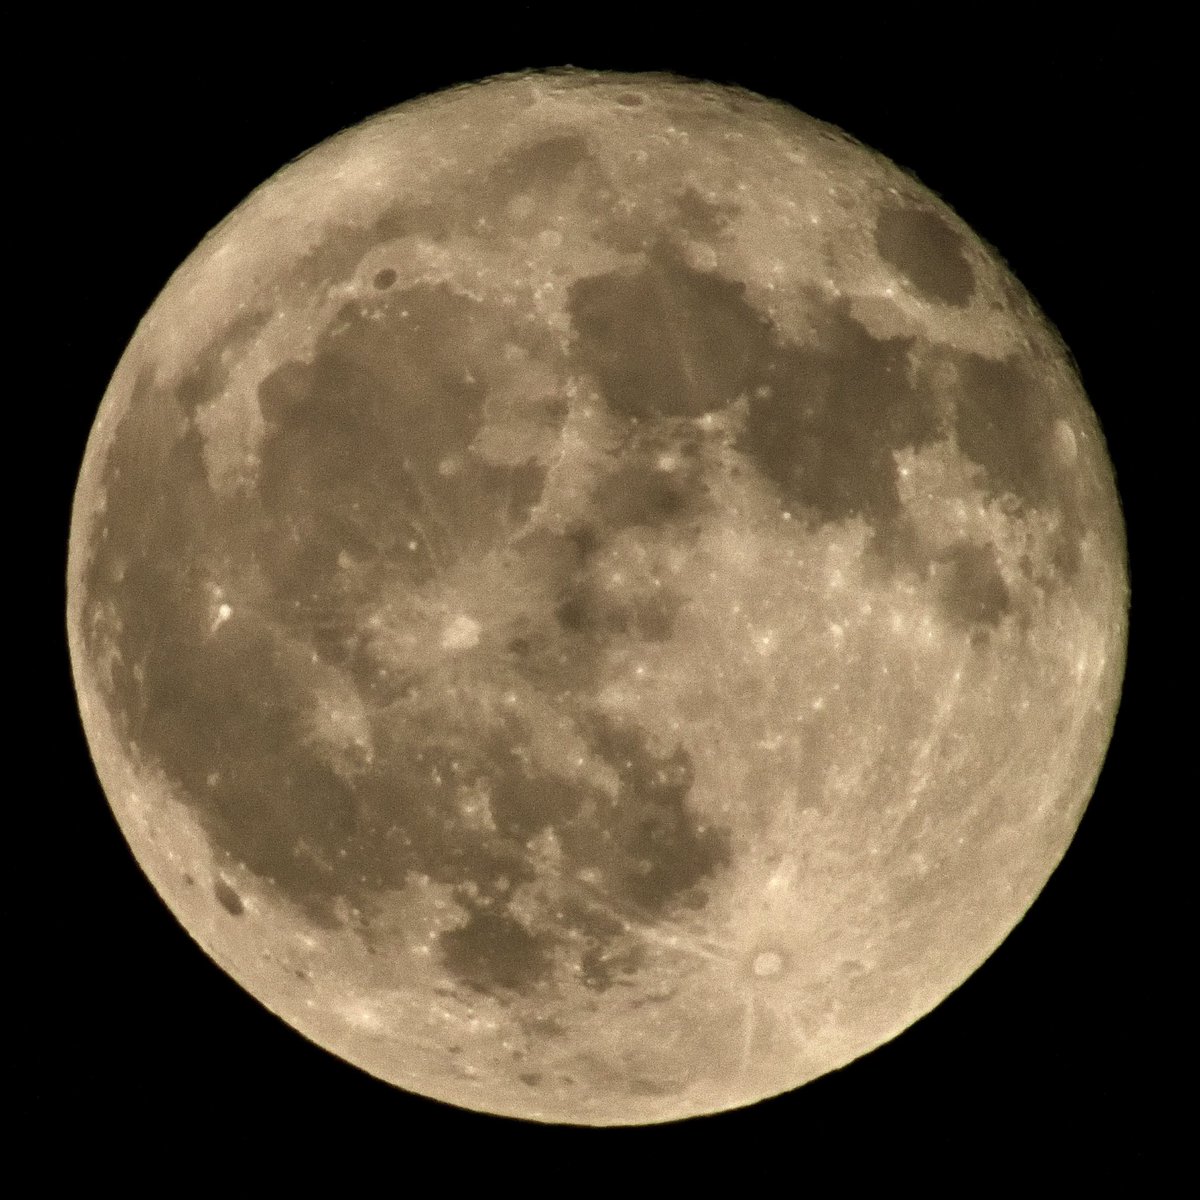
[(596, 598)]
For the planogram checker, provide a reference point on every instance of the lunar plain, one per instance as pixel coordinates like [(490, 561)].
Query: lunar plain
[(596, 598)]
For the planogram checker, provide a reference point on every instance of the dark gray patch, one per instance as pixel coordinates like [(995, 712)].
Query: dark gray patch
[(425, 219), (642, 1086), (525, 801), (336, 256), (526, 484), (653, 618), (547, 172), (646, 845), (359, 439), (384, 279), (556, 657), (589, 612), (826, 428), (927, 251), (541, 166), (494, 953), (530, 1078), (542, 1027), (1005, 426), (835, 411), (408, 816), (237, 701), (189, 701), (703, 218), (630, 100), (209, 371), (351, 464), (229, 900), (639, 492), (667, 340), (972, 590)]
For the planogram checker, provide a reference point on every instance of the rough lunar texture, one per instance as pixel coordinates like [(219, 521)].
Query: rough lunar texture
[(596, 598)]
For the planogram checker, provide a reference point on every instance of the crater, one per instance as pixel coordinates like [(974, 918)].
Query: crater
[(229, 900), (767, 963)]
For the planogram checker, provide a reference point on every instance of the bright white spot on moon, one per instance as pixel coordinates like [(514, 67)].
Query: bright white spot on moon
[(766, 642), (461, 634), (362, 1016), (768, 963), (1068, 449)]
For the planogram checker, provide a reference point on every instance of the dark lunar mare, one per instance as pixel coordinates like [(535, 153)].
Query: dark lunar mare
[(353, 469)]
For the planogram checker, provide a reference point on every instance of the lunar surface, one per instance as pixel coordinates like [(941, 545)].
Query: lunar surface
[(596, 598)]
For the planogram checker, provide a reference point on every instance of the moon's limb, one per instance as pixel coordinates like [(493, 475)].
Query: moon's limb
[(625, 617)]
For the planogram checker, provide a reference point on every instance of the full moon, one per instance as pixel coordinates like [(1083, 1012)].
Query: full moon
[(597, 598)]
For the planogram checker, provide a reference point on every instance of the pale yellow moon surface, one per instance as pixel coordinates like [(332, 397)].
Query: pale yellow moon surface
[(596, 598)]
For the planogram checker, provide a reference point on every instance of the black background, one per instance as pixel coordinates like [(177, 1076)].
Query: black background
[(1054, 1053)]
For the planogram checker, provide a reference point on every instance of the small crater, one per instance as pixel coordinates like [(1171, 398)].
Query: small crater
[(385, 278), (229, 900), (543, 1027), (836, 136), (767, 963), (649, 1087)]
